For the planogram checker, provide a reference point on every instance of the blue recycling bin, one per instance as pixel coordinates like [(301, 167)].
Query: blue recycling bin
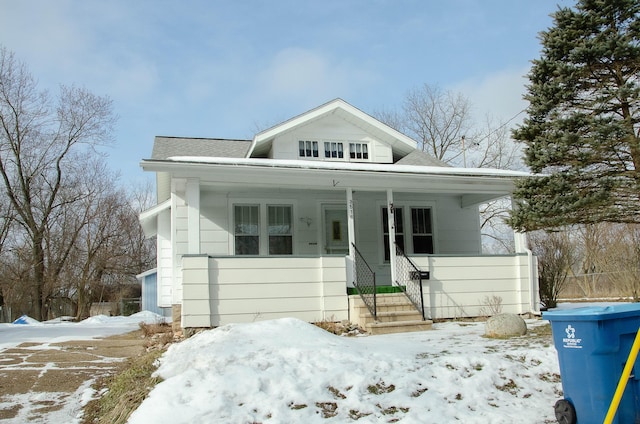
[(593, 345)]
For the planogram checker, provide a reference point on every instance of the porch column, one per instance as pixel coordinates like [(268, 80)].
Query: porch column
[(351, 232), (521, 246), (193, 215), (350, 222), (391, 222)]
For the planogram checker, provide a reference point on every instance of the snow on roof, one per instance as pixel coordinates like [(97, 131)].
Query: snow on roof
[(351, 166)]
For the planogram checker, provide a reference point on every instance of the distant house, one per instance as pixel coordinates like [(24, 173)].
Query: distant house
[(316, 209)]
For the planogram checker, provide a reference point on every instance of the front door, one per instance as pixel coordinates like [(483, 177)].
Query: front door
[(336, 234)]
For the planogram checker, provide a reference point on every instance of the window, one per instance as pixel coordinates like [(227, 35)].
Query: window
[(399, 230), (247, 229), (307, 149), (253, 238), (358, 151), (421, 230), (280, 230), (421, 240), (333, 150)]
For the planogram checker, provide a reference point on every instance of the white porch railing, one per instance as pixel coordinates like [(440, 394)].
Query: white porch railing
[(222, 290), (469, 286)]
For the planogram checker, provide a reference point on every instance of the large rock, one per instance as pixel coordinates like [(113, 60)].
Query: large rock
[(505, 325)]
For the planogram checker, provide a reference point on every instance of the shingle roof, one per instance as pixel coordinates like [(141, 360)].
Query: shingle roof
[(166, 147), (420, 158)]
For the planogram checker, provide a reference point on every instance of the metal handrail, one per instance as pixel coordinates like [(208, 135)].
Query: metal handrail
[(365, 281), (409, 279)]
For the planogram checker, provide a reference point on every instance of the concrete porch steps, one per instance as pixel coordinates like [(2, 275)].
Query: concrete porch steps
[(396, 314)]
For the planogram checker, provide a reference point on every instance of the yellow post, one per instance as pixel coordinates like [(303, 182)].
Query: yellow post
[(622, 384)]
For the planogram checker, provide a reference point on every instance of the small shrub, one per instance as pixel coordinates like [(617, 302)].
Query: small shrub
[(492, 306)]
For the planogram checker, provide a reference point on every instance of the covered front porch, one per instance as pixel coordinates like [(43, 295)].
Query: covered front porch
[(249, 240)]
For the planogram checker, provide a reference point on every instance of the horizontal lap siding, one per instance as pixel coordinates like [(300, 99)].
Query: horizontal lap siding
[(250, 289), (465, 286), (214, 223), (196, 305)]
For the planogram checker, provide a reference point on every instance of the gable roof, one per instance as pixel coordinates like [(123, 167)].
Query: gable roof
[(401, 144), (166, 147)]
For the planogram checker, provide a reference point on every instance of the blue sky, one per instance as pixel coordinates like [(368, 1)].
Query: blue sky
[(214, 68)]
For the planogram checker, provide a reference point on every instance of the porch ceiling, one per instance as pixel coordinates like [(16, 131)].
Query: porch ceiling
[(473, 185)]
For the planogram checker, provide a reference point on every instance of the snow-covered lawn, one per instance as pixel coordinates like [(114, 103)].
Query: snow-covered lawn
[(289, 371), (57, 331)]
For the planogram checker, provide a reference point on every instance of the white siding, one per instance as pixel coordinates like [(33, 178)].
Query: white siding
[(250, 289), (461, 286), (331, 128), (196, 304), (456, 230), (164, 260), (214, 223), (179, 244)]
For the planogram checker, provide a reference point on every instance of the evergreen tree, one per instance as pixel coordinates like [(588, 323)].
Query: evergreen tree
[(582, 130)]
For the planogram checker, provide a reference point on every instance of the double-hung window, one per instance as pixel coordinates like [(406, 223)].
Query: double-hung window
[(421, 230), (247, 229), (280, 230), (420, 240), (252, 238)]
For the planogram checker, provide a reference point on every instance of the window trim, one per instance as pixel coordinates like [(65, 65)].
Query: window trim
[(235, 235), (308, 149), (406, 207), (363, 146), (263, 223), (291, 228)]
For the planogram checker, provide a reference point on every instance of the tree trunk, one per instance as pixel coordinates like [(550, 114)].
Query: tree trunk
[(38, 276)]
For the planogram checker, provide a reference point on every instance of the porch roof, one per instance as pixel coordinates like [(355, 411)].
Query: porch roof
[(148, 218), (474, 185)]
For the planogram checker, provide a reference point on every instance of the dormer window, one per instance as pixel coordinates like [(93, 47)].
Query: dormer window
[(358, 151), (308, 149), (333, 150)]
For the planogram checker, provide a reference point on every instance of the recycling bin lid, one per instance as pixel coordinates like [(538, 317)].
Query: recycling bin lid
[(594, 313)]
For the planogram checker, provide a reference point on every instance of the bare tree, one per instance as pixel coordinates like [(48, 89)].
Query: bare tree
[(438, 120), (556, 258), (619, 261), (40, 138), (442, 124)]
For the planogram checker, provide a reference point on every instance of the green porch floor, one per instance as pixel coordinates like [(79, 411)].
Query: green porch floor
[(379, 289)]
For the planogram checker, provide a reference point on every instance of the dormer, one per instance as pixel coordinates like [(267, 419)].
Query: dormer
[(333, 132)]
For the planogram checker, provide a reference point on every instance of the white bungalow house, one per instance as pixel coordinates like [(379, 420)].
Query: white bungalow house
[(297, 223)]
